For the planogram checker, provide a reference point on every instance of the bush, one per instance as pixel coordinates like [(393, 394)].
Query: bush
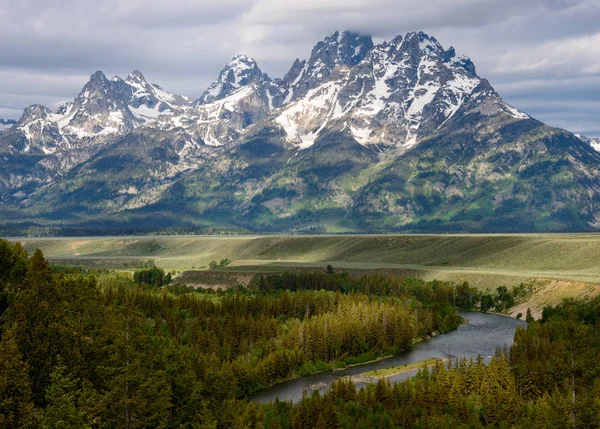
[(365, 357), (153, 277), (339, 364), (222, 263), (323, 367), (307, 369)]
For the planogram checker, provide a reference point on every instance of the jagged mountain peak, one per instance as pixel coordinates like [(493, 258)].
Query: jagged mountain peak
[(350, 47), (391, 135), (238, 72), (35, 111), (98, 82), (135, 76), (294, 71), (337, 50), (401, 91), (99, 87), (242, 58), (419, 44), (98, 76)]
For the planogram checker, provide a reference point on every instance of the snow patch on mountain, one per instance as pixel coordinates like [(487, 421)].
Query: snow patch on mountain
[(240, 71), (102, 110), (593, 142), (514, 112), (305, 119)]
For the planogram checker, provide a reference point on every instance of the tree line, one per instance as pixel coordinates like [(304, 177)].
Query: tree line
[(427, 292)]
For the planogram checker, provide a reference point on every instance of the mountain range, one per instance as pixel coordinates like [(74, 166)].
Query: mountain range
[(399, 136)]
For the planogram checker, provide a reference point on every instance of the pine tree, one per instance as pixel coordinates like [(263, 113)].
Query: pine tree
[(139, 395), (16, 406), (62, 395), (528, 317), (36, 310)]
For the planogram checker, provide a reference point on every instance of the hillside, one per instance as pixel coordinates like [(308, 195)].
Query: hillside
[(486, 261)]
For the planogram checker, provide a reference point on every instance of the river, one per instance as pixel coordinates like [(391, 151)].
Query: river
[(481, 336)]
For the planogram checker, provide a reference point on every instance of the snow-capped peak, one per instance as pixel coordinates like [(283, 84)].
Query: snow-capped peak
[(238, 72), (349, 47), (135, 76), (401, 91), (389, 95), (103, 109), (336, 51)]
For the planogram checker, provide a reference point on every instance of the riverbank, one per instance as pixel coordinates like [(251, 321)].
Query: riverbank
[(334, 366), (378, 374), (481, 336)]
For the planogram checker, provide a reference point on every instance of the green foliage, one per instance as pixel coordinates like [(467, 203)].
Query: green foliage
[(113, 351), (150, 262), (62, 396), (224, 262), (362, 358), (487, 302), (109, 352), (153, 276), (547, 379), (529, 316), (16, 406)]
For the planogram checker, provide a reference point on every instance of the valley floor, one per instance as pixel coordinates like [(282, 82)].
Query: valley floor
[(559, 265)]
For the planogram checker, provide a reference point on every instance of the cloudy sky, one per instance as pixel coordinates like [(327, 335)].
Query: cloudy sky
[(543, 56)]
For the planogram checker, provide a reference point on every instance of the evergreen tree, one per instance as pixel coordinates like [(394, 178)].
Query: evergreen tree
[(16, 406), (61, 395), (528, 316)]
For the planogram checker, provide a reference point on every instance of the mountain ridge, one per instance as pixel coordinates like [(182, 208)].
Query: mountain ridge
[(403, 135)]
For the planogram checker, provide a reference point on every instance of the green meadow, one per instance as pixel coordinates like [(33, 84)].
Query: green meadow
[(483, 260)]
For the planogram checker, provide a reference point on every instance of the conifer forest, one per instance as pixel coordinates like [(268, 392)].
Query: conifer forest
[(104, 349)]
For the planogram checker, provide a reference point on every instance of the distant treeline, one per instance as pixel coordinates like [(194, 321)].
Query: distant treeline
[(34, 230), (461, 295)]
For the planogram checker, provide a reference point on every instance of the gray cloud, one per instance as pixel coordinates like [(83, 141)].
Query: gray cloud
[(543, 56)]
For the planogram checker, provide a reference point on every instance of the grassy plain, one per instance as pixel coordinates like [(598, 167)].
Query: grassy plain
[(484, 260)]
